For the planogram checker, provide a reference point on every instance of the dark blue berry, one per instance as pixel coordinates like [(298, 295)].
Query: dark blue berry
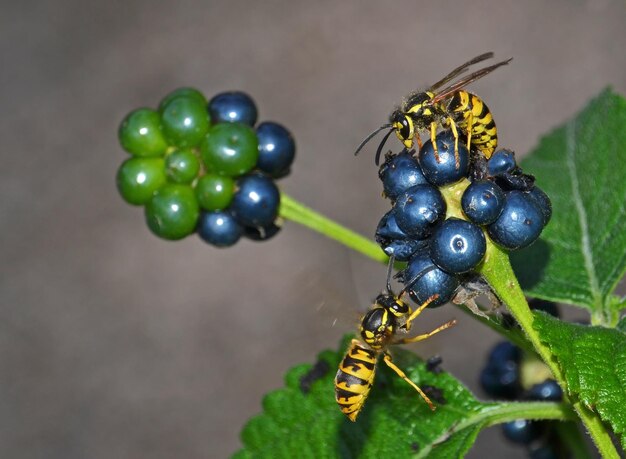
[(256, 200), (399, 173), (445, 170), (419, 210), (519, 224), (522, 431), (232, 107), (423, 279), (503, 352), (502, 380), (543, 202), (548, 390), (277, 148), (457, 246), (501, 162), (549, 307), (482, 202), (394, 241), (219, 228), (261, 233)]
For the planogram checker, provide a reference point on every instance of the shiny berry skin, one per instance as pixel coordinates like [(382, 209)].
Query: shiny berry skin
[(139, 178), (519, 224), (543, 202), (184, 121), (219, 228), (482, 202), (501, 162), (261, 233), (457, 246), (501, 378), (419, 210), (445, 170), (501, 381), (182, 166), (394, 241), (140, 133), (233, 107), (430, 281), (399, 173), (256, 200), (548, 390), (173, 212), (521, 431), (191, 93), (214, 192), (230, 149), (504, 352), (277, 149)]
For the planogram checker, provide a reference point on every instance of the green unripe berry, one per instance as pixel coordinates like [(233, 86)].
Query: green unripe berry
[(184, 121), (230, 149), (140, 133), (182, 166), (173, 212), (191, 93), (215, 192), (139, 178)]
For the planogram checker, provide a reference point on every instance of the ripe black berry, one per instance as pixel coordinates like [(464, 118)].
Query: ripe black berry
[(233, 107), (219, 228), (457, 246), (399, 173), (482, 202), (423, 279), (277, 149), (419, 210), (444, 169), (256, 200), (519, 224)]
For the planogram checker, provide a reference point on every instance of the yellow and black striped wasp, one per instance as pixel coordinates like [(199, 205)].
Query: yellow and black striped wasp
[(451, 107), (388, 316)]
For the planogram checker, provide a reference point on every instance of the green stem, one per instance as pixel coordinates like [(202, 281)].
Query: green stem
[(497, 270), (506, 412), (291, 209)]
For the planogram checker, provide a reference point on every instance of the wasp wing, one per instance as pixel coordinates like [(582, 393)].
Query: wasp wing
[(462, 68), (447, 92)]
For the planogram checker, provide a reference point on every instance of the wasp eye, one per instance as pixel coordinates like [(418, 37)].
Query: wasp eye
[(405, 130)]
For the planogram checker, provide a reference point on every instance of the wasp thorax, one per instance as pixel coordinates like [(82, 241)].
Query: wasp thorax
[(393, 304), (377, 327)]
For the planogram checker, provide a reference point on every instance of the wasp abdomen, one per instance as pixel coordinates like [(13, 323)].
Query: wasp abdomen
[(354, 378), (468, 108)]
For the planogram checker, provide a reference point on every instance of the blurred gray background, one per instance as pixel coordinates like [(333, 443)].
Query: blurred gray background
[(115, 344)]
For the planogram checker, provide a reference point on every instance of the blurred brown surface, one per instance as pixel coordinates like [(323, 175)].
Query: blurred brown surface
[(114, 344)]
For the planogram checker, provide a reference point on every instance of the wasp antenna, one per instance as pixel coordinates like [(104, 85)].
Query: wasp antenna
[(380, 147), (392, 259), (409, 283), (369, 137)]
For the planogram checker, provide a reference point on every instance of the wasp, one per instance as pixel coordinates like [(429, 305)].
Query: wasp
[(451, 108), (388, 316)]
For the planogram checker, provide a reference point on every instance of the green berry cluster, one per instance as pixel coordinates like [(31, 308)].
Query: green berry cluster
[(183, 164)]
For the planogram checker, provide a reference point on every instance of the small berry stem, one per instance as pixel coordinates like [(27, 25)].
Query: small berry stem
[(290, 209), (497, 270)]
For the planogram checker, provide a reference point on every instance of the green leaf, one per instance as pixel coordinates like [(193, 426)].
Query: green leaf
[(593, 360), (581, 165), (395, 421)]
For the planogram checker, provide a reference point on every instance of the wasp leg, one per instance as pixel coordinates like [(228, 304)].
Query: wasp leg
[(455, 133), (419, 310), (417, 338), (433, 139), (470, 123), (399, 372), (418, 139)]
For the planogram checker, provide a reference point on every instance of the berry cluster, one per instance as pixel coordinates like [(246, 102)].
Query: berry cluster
[(204, 166), (446, 205), (509, 375)]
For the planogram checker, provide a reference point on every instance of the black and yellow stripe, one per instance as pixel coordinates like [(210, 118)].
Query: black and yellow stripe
[(355, 378), (474, 117)]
